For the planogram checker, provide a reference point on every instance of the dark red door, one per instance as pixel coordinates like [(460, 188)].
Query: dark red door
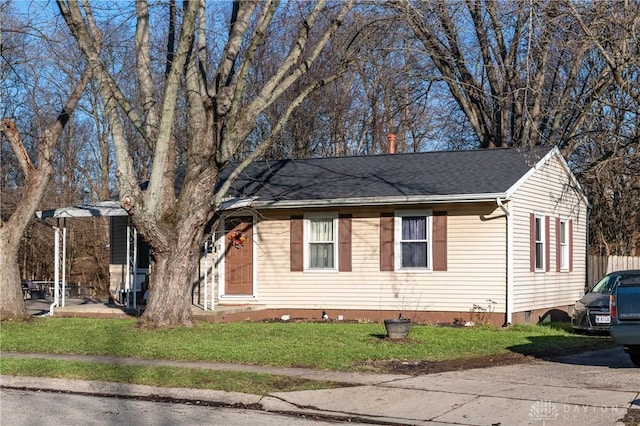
[(239, 256)]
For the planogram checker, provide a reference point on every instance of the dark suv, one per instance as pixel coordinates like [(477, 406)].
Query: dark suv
[(591, 312)]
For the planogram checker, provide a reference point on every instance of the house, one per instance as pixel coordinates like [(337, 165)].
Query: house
[(436, 236)]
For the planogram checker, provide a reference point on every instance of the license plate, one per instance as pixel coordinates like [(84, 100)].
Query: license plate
[(603, 319)]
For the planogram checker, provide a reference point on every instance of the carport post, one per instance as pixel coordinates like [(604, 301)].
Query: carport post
[(213, 266), (64, 262), (59, 264), (206, 275), (56, 266)]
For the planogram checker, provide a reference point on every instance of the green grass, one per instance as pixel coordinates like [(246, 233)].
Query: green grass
[(194, 378), (334, 346)]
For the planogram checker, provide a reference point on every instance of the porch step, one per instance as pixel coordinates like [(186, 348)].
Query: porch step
[(226, 309)]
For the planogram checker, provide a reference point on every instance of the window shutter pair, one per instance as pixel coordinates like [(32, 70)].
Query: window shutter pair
[(439, 244), (547, 241), (296, 243)]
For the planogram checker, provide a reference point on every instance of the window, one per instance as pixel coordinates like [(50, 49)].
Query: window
[(539, 241), (413, 236), (564, 244), (321, 242)]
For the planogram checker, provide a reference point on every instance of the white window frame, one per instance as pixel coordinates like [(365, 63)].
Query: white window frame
[(399, 215), (540, 263), (307, 242), (564, 244)]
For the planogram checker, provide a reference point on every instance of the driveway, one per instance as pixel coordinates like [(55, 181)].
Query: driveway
[(596, 388)]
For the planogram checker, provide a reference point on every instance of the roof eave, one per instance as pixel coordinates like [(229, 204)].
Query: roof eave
[(378, 201), (101, 209), (563, 163)]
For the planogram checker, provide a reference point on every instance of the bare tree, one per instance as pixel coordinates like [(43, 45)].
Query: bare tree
[(548, 73), (515, 69), (608, 159), (34, 178), (218, 114), (386, 90)]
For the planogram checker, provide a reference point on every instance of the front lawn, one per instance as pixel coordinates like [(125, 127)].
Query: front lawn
[(163, 376), (331, 345)]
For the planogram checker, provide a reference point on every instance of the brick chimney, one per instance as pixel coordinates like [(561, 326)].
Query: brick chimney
[(391, 137)]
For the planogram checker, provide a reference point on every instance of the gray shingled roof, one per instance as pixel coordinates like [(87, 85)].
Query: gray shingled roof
[(433, 175)]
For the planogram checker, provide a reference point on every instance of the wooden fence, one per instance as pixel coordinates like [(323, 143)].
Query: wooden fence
[(599, 266)]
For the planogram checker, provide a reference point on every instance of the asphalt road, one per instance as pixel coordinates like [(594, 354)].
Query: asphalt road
[(28, 408)]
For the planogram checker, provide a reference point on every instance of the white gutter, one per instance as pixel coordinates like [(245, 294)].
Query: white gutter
[(377, 201), (509, 293)]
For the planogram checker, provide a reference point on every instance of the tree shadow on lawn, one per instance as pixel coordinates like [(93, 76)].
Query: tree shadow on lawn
[(421, 367), (597, 351), (565, 349)]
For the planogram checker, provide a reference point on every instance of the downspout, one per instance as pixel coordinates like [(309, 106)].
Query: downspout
[(509, 292)]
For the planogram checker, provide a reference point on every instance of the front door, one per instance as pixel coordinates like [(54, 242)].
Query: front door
[(238, 258)]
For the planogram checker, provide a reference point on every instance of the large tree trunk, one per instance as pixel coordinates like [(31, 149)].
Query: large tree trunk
[(175, 266), (11, 301), (169, 301)]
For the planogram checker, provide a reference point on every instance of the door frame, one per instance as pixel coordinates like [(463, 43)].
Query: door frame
[(221, 243)]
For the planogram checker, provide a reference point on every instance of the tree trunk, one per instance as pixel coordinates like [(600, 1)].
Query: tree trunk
[(11, 301), (171, 282)]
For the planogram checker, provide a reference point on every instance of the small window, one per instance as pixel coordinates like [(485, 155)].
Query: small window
[(413, 249), (321, 242), (540, 236), (564, 244)]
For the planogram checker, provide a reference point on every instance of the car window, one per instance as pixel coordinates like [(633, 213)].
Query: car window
[(605, 285), (629, 279)]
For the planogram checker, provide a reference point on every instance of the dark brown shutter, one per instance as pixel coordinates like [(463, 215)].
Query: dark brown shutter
[(532, 238), (558, 245), (386, 242), (439, 241), (570, 245), (344, 243), (296, 245), (547, 244)]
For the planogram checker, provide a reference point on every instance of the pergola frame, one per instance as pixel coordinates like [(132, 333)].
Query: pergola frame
[(103, 209)]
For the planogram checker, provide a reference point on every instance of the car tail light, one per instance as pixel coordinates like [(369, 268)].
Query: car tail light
[(613, 309)]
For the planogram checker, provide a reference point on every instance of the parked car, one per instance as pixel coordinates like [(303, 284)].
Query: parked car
[(591, 313), (625, 316)]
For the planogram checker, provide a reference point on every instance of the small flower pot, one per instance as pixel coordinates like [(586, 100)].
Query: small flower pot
[(397, 328)]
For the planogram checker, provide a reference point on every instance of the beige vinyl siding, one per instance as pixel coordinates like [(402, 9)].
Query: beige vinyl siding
[(476, 267), (551, 192)]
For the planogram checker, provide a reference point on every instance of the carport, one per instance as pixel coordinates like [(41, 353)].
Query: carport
[(132, 272), (109, 209)]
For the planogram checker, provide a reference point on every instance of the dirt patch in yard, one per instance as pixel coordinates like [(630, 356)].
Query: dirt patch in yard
[(420, 367)]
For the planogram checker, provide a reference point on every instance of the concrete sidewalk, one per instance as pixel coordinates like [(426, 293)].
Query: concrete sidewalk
[(575, 390)]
